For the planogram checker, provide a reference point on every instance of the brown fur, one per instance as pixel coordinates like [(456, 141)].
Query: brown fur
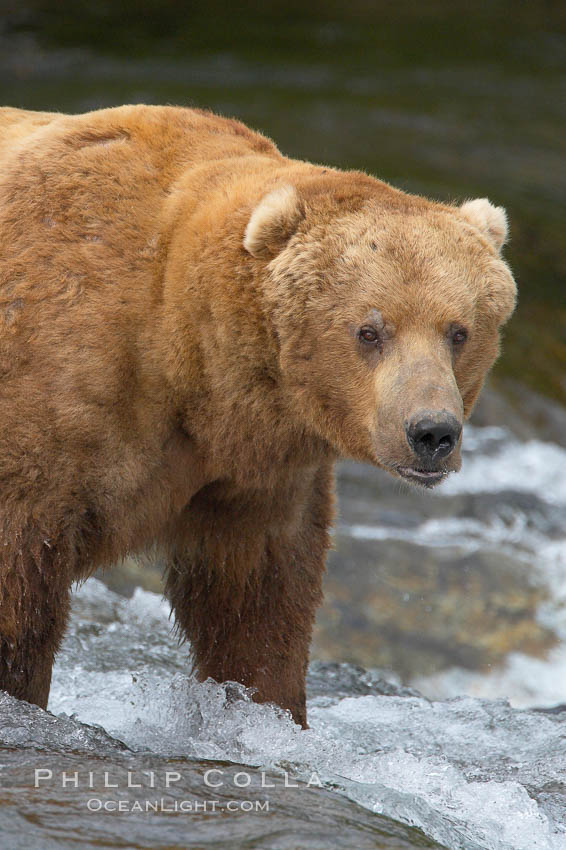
[(176, 371)]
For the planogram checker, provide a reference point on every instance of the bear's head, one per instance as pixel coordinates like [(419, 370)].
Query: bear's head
[(387, 310)]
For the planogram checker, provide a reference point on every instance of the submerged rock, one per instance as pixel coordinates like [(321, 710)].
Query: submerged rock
[(416, 609)]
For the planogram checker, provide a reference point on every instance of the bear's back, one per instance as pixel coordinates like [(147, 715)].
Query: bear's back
[(173, 134), (17, 124), (82, 201)]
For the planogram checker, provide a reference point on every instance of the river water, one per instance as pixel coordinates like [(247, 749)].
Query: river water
[(461, 757)]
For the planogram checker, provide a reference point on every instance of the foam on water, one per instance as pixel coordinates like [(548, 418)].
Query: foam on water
[(532, 467), (531, 681), (465, 533), (471, 774)]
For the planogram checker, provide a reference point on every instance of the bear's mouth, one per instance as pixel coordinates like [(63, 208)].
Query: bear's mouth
[(424, 477)]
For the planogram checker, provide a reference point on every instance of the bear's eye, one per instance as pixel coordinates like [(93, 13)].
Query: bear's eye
[(368, 334), (458, 336)]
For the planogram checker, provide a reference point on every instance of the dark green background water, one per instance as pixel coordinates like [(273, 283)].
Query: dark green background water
[(451, 100)]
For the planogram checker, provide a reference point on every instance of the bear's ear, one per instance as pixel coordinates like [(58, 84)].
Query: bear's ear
[(273, 222), (490, 220)]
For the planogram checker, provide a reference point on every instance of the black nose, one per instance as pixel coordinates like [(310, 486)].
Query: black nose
[(433, 436)]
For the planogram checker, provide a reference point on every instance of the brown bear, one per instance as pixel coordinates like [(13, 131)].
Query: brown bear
[(193, 329)]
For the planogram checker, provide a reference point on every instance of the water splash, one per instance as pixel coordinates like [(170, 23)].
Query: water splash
[(469, 773)]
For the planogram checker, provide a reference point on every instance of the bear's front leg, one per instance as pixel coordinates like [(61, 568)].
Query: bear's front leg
[(34, 607), (246, 583)]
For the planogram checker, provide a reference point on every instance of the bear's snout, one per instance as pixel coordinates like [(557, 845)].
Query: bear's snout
[(433, 436)]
